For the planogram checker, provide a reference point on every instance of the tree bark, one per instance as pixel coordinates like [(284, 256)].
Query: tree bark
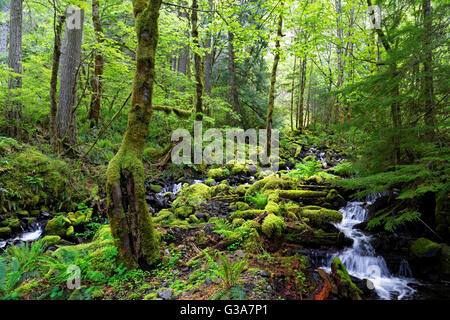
[(97, 83), (131, 222), (70, 63), (199, 81), (430, 118), (14, 110), (273, 80), (209, 57), (308, 99), (5, 31), (292, 93), (231, 70), (54, 78), (339, 108), (301, 94)]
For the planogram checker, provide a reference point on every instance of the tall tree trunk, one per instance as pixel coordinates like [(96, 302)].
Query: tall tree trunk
[(131, 222), (14, 109), (5, 31), (308, 99), (70, 63), (231, 70), (209, 57), (339, 111), (292, 93), (183, 59), (273, 80), (58, 24), (301, 94), (199, 82), (97, 84), (430, 118)]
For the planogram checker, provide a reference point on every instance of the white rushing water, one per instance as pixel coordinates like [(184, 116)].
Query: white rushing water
[(362, 262)]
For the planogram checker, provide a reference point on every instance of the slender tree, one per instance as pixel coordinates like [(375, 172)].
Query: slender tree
[(70, 64), (199, 81), (97, 83), (131, 222), (273, 80), (14, 109)]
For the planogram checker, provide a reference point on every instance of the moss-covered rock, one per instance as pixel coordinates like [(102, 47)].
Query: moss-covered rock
[(272, 182), (218, 173), (300, 195), (241, 206), (238, 222), (192, 195), (51, 240), (345, 285), (273, 226), (156, 188), (246, 214), (318, 216), (193, 219), (58, 226), (5, 232), (11, 222), (425, 248), (77, 218), (165, 216), (184, 211), (272, 207), (241, 189), (209, 182)]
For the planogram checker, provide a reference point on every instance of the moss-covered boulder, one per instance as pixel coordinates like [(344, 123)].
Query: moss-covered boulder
[(241, 206), (11, 222), (58, 226), (346, 288), (273, 226), (425, 248), (218, 173), (272, 182), (319, 217), (246, 214), (31, 178), (165, 216), (51, 240), (5, 232), (192, 196)]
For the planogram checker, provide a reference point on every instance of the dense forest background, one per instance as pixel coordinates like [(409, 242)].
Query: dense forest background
[(338, 76)]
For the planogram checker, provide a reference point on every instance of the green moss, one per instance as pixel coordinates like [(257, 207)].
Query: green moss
[(221, 189), (298, 195), (5, 232), (58, 226), (164, 216), (273, 226), (241, 206), (51, 240), (12, 222), (272, 182), (156, 188), (183, 212), (27, 287), (345, 285), (209, 182), (237, 222), (241, 189), (77, 218), (193, 195), (23, 213), (218, 173), (333, 195), (424, 248), (193, 219), (318, 216), (272, 207), (246, 214)]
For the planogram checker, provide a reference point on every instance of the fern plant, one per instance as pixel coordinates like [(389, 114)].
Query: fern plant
[(228, 271), (259, 200)]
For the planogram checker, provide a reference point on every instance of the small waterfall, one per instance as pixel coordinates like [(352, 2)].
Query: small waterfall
[(33, 234), (361, 260)]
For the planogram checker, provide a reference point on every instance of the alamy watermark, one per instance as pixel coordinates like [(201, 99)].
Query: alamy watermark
[(73, 19), (74, 279), (236, 147)]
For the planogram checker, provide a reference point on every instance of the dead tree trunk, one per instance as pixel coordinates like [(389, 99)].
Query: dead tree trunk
[(131, 222)]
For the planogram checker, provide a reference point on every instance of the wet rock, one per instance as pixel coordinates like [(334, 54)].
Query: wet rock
[(165, 294), (424, 248)]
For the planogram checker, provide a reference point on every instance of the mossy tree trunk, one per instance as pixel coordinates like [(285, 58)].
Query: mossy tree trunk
[(273, 80), (131, 222), (292, 93), (94, 113), (199, 81), (301, 94), (58, 24)]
